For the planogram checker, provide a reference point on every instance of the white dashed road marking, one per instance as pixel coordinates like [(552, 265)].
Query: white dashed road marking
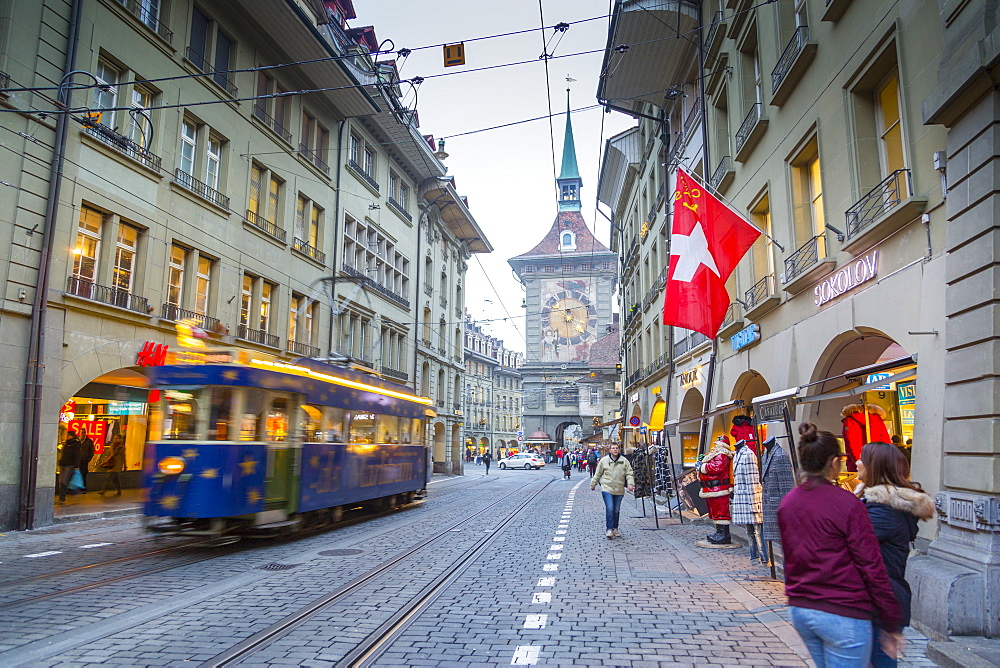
[(556, 547), (554, 555), (559, 538), (42, 554), (87, 547), (541, 597), (550, 567), (546, 582), (525, 655), (535, 621)]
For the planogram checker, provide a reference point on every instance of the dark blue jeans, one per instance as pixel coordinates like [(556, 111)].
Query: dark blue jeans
[(612, 508)]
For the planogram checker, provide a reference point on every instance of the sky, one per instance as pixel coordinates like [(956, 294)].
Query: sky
[(506, 173)]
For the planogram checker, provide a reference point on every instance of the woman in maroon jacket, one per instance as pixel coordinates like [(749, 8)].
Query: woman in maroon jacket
[(835, 579)]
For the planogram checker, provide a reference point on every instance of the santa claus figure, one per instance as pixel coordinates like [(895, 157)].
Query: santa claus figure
[(715, 474), (861, 428), (743, 431)]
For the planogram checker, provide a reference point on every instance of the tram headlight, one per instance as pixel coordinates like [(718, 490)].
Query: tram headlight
[(171, 465)]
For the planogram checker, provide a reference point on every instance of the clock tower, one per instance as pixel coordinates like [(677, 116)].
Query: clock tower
[(569, 279)]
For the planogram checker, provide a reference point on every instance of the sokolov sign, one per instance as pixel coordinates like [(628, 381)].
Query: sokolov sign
[(861, 270)]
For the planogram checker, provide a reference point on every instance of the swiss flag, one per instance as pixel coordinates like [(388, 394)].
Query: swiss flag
[(708, 239)]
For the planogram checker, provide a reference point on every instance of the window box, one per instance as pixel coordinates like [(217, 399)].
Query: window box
[(886, 208), (761, 298), (750, 132), (792, 65), (806, 264)]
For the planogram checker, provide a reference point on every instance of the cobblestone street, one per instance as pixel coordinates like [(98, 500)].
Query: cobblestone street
[(542, 586)]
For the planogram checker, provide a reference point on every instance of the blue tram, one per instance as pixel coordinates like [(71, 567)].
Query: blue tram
[(242, 442)]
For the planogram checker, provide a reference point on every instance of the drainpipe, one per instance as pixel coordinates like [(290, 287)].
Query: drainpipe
[(336, 235), (33, 382)]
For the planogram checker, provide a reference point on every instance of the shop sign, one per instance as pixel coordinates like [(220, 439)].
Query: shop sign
[(152, 354), (770, 412), (875, 377), (126, 408), (566, 397), (860, 271), (689, 378), (745, 337), (67, 412), (96, 429), (907, 393)]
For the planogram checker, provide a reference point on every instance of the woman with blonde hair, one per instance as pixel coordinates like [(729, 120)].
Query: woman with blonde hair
[(895, 505)]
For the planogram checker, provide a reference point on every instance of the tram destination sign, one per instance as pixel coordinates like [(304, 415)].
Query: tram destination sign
[(860, 270)]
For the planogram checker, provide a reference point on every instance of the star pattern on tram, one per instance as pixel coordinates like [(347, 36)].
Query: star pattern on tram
[(230, 375), (248, 465), (253, 496), (190, 453), (314, 462), (209, 474), (169, 502)]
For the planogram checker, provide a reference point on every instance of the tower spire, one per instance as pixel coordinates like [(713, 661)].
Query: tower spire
[(569, 181)]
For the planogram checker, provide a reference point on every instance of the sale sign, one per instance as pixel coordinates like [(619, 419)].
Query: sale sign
[(97, 430)]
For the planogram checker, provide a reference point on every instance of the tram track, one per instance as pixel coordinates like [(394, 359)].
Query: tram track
[(375, 644), (220, 552)]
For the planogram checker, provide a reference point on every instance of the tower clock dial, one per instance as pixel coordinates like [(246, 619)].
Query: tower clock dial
[(571, 316)]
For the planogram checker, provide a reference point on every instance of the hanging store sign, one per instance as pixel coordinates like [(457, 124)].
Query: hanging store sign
[(745, 337), (689, 378), (875, 377), (862, 270), (126, 408), (152, 354)]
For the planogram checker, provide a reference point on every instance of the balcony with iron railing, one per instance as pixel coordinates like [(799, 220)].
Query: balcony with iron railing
[(360, 63), (220, 77), (400, 209), (260, 113), (750, 132), (760, 298), (884, 209), (258, 336), (369, 282), (303, 349), (201, 189), (633, 378), (312, 157), (395, 374), (834, 10), (265, 225), (365, 176), (806, 264), (308, 250), (723, 175), (733, 322), (693, 117), (176, 314), (792, 65), (716, 31), (688, 343), (105, 294), (151, 20), (123, 145)]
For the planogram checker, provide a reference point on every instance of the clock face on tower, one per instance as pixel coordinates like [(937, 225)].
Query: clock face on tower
[(569, 321)]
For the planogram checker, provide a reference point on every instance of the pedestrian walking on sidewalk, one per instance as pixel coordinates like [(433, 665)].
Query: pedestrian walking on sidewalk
[(69, 461), (614, 475), (894, 505), (592, 460), (835, 579), (113, 465), (487, 458), (566, 463)]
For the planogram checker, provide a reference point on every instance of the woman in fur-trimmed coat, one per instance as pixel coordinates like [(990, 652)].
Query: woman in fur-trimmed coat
[(894, 505)]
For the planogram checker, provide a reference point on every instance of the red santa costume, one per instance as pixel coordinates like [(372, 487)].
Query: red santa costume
[(715, 474), (743, 431), (858, 432)]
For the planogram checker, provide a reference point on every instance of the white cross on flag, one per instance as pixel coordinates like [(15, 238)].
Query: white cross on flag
[(708, 239)]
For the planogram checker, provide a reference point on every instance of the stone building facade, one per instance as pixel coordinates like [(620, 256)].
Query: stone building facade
[(492, 400), (858, 136), (199, 183)]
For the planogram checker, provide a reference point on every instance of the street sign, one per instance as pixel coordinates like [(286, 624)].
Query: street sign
[(520, 437), (635, 421), (454, 54), (642, 430)]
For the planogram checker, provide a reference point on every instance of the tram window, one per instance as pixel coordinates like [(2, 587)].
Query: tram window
[(363, 428), (276, 427), (405, 431), (253, 414), (417, 431), (333, 425), (312, 419), (181, 415), (388, 429), (220, 413)]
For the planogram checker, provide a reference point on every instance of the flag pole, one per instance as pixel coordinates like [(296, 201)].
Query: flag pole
[(732, 207)]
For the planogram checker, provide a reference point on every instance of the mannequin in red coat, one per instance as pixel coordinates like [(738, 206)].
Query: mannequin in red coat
[(857, 433), (716, 476), (743, 431)]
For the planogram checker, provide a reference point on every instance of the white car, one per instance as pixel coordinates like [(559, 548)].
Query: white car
[(522, 460)]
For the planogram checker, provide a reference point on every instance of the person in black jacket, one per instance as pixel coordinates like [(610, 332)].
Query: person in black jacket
[(894, 505), (87, 451), (69, 461)]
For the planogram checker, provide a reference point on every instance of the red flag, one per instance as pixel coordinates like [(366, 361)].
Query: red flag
[(708, 239)]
